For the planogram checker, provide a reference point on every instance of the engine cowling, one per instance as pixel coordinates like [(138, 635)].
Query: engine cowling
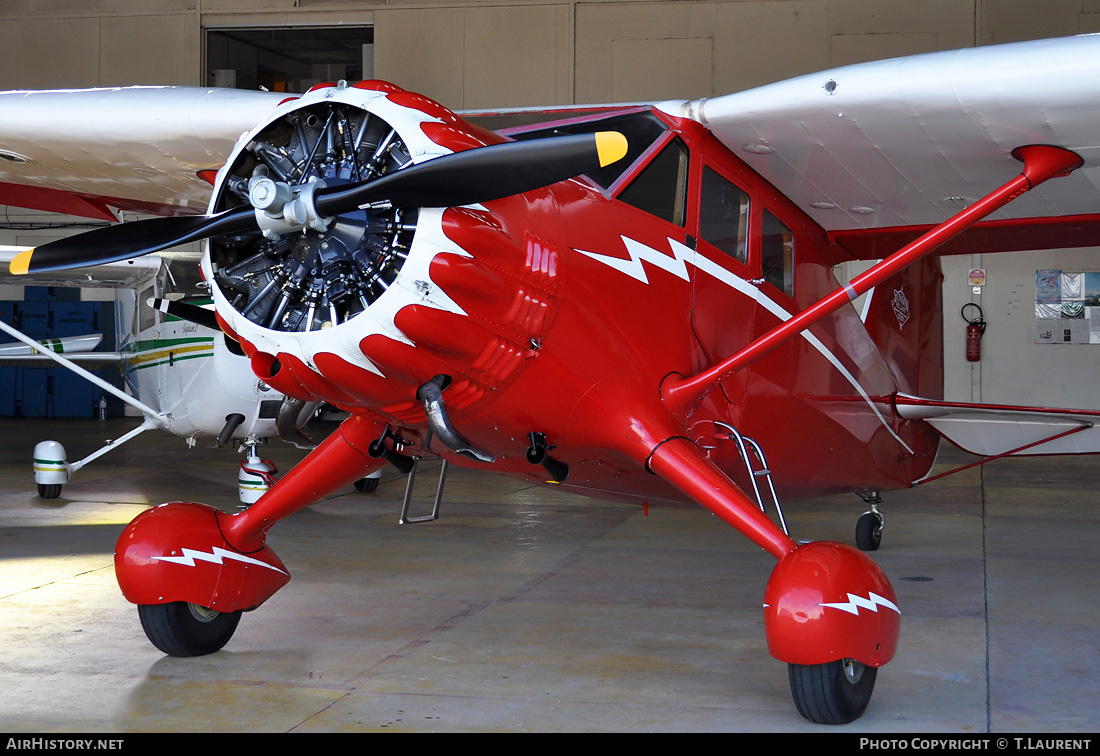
[(351, 309)]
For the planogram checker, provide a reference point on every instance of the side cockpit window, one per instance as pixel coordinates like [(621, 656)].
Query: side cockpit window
[(724, 216), (777, 254), (145, 317), (661, 187)]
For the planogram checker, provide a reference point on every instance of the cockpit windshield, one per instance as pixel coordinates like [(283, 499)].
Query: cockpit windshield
[(181, 278)]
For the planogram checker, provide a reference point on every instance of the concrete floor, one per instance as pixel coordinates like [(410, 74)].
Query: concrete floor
[(526, 609)]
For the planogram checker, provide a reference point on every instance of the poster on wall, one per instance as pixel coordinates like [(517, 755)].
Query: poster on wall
[(1067, 307)]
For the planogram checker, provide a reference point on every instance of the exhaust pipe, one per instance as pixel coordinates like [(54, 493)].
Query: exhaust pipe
[(431, 394), (286, 424), (232, 422)]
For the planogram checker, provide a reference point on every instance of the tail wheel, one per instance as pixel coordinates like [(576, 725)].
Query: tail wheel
[(869, 531), (184, 629), (833, 693)]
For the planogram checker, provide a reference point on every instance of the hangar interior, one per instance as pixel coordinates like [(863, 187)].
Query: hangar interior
[(1019, 529), (471, 55)]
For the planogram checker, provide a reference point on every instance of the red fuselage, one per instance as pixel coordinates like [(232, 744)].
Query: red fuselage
[(574, 303)]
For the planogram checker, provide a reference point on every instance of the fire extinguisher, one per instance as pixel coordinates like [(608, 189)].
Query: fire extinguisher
[(974, 330)]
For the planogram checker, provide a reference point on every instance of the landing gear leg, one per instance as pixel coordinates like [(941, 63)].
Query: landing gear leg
[(165, 558), (256, 476), (836, 692), (870, 524), (811, 615), (180, 628)]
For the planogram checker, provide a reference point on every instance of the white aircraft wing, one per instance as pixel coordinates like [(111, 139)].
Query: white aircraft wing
[(994, 430), (907, 143), (79, 349), (128, 274), (873, 152), (84, 152)]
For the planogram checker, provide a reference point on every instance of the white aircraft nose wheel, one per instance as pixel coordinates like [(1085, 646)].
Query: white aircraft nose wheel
[(836, 692), (184, 629), (869, 530)]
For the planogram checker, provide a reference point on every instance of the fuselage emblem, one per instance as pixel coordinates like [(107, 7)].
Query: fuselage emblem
[(900, 303)]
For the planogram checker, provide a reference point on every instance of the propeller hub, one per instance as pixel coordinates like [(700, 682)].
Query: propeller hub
[(283, 209), (265, 193)]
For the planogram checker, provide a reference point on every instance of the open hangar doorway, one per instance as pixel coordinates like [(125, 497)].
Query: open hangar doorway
[(288, 59)]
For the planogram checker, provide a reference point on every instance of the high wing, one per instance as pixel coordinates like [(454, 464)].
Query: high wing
[(128, 274), (142, 149), (874, 152), (877, 152)]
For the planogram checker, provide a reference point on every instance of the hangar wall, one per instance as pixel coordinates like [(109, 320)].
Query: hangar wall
[(503, 53)]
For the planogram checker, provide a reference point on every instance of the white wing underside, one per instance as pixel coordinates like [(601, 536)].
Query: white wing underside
[(990, 431), (127, 274), (911, 141), (895, 143), (144, 144)]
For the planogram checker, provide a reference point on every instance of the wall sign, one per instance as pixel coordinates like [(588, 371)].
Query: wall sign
[(1067, 307)]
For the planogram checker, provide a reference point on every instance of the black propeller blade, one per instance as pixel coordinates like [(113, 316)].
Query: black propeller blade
[(481, 175), (123, 241), (462, 178)]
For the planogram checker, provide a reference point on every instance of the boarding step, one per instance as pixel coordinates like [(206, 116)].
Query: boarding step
[(757, 467), (405, 519)]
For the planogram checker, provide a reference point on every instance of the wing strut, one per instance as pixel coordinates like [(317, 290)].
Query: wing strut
[(1008, 453), (1041, 163)]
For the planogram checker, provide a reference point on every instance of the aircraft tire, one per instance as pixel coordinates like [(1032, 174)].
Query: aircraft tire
[(868, 532), (366, 485), (183, 629), (49, 490), (836, 692)]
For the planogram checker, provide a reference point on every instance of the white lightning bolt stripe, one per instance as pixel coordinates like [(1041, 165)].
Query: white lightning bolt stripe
[(854, 603), (216, 556), (677, 266)]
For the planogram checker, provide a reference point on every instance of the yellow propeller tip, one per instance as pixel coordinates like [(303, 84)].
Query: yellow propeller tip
[(610, 146), (21, 263)]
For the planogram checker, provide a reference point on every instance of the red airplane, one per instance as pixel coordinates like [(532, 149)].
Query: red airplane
[(629, 303)]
